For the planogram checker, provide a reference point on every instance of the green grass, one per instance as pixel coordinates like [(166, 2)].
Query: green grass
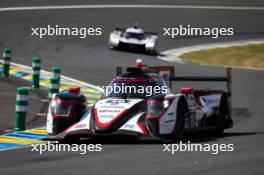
[(245, 56)]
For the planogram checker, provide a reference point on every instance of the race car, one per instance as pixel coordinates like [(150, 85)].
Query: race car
[(159, 115), (134, 39)]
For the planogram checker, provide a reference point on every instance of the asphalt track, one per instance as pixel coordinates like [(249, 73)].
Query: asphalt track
[(89, 60)]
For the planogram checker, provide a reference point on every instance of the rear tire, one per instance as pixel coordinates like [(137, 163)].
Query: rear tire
[(220, 119), (153, 52)]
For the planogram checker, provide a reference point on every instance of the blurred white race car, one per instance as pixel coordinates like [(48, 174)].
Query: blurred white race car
[(134, 39)]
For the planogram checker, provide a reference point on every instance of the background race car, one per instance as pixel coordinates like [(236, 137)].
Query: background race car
[(134, 39)]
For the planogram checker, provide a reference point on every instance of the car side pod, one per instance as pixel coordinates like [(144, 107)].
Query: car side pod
[(66, 108), (227, 79)]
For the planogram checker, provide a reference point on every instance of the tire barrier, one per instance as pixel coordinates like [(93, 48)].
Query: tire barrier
[(6, 61), (35, 72), (21, 108)]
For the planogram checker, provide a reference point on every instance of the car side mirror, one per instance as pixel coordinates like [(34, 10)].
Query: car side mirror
[(169, 97), (187, 90)]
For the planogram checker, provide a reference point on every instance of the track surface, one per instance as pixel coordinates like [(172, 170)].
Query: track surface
[(89, 60)]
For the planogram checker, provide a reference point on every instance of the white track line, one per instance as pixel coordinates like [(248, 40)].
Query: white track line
[(129, 6)]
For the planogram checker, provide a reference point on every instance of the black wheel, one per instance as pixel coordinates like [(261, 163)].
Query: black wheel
[(220, 119), (153, 51), (179, 127), (111, 48)]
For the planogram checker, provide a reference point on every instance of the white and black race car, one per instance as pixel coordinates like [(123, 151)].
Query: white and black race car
[(134, 39), (161, 115)]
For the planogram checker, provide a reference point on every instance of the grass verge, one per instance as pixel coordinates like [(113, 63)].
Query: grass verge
[(244, 56)]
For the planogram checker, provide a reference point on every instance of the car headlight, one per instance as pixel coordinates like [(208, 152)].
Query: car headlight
[(150, 44), (114, 39)]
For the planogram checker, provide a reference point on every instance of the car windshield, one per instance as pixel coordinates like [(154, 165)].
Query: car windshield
[(131, 89), (138, 36), (60, 109)]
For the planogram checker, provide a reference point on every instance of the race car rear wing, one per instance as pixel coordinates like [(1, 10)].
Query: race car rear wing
[(146, 32), (151, 33), (120, 29), (167, 72), (227, 79)]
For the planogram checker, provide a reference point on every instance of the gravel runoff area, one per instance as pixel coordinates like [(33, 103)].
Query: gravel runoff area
[(8, 102)]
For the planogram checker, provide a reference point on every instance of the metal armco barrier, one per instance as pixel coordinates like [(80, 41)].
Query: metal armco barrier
[(35, 72), (54, 86), (21, 108), (6, 61), (56, 71)]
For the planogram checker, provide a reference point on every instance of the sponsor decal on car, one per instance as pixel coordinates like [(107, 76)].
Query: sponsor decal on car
[(129, 126), (80, 126), (106, 116), (117, 102), (110, 110)]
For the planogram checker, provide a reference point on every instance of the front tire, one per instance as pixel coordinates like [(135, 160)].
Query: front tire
[(180, 121), (111, 47), (153, 51)]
